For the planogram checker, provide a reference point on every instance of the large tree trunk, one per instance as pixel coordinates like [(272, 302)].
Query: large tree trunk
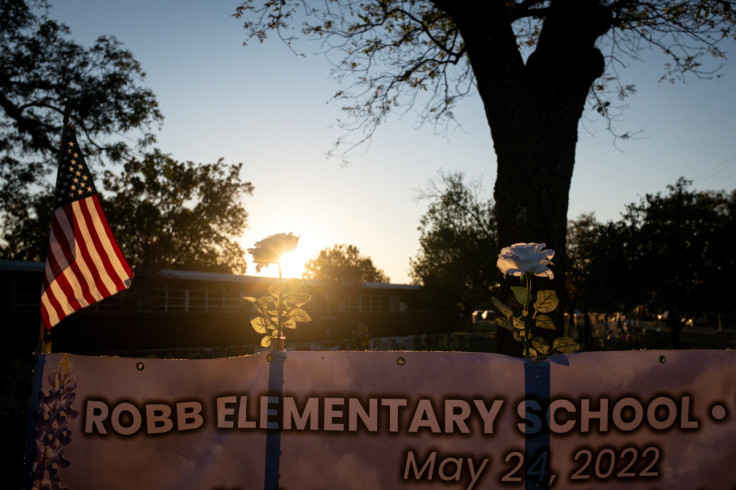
[(533, 110)]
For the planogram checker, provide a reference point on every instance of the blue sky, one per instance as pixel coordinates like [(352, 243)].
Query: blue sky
[(265, 107)]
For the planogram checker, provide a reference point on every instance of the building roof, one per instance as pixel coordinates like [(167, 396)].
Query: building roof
[(28, 266)]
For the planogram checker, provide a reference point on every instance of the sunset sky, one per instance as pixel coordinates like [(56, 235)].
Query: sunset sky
[(270, 109)]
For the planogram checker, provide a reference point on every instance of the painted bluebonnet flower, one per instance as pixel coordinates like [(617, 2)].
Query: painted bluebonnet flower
[(53, 433)]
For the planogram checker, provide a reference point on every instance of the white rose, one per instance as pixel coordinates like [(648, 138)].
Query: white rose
[(526, 258), (270, 249)]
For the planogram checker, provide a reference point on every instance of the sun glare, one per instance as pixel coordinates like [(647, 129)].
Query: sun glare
[(292, 264)]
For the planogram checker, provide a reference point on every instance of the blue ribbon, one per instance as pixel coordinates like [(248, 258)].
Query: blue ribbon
[(273, 436), (537, 387)]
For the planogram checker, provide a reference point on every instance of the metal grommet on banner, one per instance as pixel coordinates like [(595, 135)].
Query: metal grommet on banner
[(270, 358), (662, 359), (400, 361), (140, 366)]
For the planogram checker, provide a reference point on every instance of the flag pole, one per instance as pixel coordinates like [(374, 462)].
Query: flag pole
[(44, 336)]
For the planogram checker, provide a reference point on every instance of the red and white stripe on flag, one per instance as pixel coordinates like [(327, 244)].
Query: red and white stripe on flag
[(84, 264)]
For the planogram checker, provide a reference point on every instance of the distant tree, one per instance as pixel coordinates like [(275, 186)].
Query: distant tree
[(536, 65), (681, 248), (42, 70), (457, 254), (669, 249), (24, 229), (583, 234), (612, 280), (343, 263), (583, 246), (179, 215)]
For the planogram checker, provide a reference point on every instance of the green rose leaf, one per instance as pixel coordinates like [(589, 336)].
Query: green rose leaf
[(298, 299), (259, 309), (290, 323), (546, 301), (249, 298), (260, 324), (292, 286), (517, 337), (299, 315), (540, 345), (565, 345), (284, 288), (523, 296), (545, 322), (505, 310), (276, 288), (266, 341), (504, 323), (267, 303), (518, 323)]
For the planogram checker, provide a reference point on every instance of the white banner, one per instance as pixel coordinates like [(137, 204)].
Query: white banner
[(387, 420)]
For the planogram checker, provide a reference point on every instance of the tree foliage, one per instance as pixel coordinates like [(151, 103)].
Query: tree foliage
[(42, 71), (667, 250), (343, 263), (179, 215), (24, 229), (583, 234), (680, 243), (401, 54), (166, 214), (456, 261)]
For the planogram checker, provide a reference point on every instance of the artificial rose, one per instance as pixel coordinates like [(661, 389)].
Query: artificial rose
[(526, 258), (272, 248)]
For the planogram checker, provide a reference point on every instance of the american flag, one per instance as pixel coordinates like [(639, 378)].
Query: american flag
[(84, 264)]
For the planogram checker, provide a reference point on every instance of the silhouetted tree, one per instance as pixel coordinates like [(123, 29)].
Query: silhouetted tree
[(667, 250), (457, 254), (179, 215), (680, 252), (42, 71), (583, 236), (612, 280), (343, 263)]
